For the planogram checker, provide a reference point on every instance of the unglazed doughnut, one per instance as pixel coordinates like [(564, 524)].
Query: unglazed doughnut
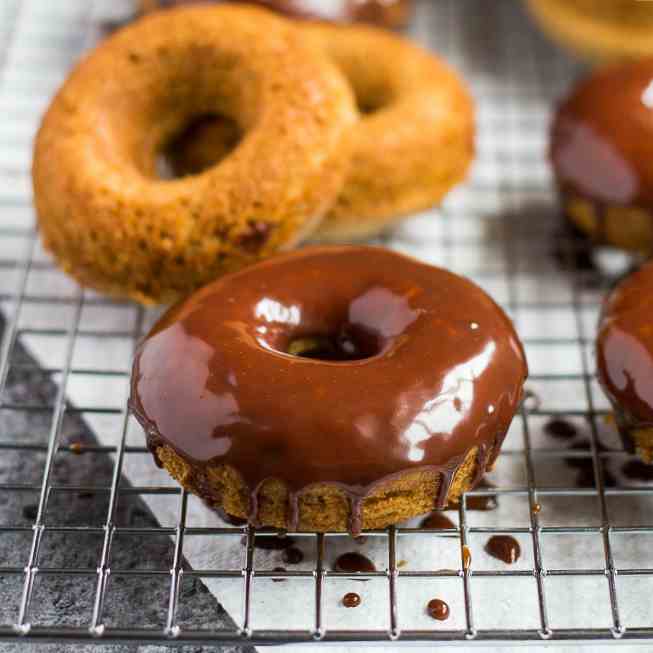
[(331, 388), (104, 213), (625, 359), (602, 155), (598, 29), (415, 138)]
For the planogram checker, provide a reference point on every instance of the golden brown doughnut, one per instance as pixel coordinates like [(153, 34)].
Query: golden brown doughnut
[(598, 29), (115, 226), (414, 140)]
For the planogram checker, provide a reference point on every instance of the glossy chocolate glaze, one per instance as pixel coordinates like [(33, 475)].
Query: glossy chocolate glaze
[(440, 372), (386, 13), (625, 348), (602, 137)]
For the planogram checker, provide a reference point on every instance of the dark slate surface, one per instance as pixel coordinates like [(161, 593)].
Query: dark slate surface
[(68, 600)]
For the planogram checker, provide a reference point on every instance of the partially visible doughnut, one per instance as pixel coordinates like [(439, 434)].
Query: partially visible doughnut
[(598, 29), (624, 352), (415, 138), (601, 150), (104, 213)]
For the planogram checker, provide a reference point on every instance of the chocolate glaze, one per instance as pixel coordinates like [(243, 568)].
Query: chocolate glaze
[(351, 600), (385, 13), (443, 374), (354, 562), (438, 609), (504, 547), (625, 349)]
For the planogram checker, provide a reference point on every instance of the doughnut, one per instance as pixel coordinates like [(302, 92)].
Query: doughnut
[(330, 388), (385, 13), (625, 359), (105, 213), (598, 29), (414, 140), (601, 151)]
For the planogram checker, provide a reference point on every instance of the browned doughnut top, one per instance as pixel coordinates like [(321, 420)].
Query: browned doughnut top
[(602, 137), (625, 346), (420, 366)]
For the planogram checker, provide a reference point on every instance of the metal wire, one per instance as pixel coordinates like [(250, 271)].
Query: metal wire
[(541, 76)]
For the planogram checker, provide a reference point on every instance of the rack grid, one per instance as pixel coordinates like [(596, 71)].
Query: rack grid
[(499, 229)]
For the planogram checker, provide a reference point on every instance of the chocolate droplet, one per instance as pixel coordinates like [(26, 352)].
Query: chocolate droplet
[(351, 600), (354, 562), (438, 609), (504, 547)]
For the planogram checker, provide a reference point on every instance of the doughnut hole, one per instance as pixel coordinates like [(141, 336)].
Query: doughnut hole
[(202, 143), (346, 344), (366, 325)]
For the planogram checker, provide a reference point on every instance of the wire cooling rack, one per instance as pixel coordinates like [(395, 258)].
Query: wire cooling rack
[(583, 574)]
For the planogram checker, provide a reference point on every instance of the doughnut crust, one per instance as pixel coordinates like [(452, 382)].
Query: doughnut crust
[(104, 213), (415, 137), (598, 29)]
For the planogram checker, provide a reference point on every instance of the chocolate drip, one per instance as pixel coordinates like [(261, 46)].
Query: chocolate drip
[(504, 547), (230, 519)]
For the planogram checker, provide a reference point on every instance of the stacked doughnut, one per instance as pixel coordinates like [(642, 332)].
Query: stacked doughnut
[(334, 131)]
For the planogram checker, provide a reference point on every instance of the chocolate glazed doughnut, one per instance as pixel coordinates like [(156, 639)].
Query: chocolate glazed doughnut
[(105, 213), (601, 151), (625, 359), (402, 386)]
